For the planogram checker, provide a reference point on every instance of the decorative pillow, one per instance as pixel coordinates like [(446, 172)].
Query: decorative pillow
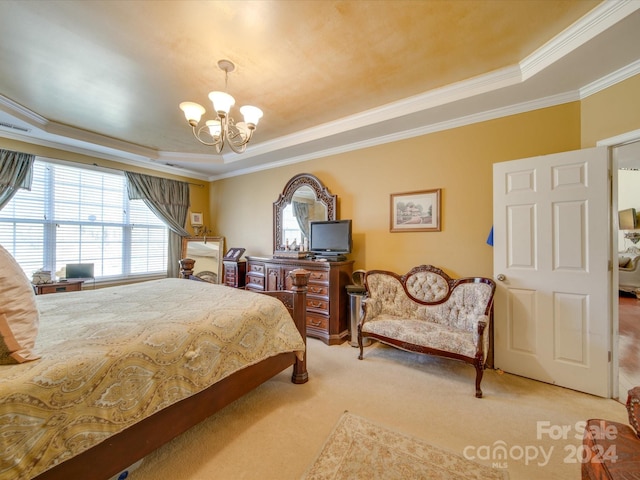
[(19, 318), (623, 261)]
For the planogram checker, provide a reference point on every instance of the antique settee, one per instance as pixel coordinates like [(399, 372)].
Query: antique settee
[(629, 270), (428, 312), (612, 449)]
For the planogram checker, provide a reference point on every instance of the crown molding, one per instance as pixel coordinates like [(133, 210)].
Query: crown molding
[(22, 113), (416, 132), (611, 79), (622, 139), (604, 16)]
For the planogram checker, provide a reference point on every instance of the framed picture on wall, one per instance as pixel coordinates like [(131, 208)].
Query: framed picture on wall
[(196, 220), (415, 211)]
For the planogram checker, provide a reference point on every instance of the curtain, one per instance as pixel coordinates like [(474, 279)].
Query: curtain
[(16, 171), (301, 212), (169, 200)]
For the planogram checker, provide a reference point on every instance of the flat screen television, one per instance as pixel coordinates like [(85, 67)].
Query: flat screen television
[(330, 238)]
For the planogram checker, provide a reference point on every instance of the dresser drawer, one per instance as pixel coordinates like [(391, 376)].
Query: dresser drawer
[(320, 290), (318, 304), (319, 276), (256, 268), (320, 322), (255, 282)]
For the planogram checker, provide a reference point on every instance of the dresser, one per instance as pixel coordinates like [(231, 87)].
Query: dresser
[(234, 273), (327, 299)]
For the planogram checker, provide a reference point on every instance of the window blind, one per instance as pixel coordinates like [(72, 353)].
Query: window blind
[(82, 215)]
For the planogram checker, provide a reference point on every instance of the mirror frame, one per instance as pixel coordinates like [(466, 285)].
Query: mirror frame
[(219, 240), (322, 194)]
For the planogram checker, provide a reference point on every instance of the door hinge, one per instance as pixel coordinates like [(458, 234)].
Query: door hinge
[(610, 356)]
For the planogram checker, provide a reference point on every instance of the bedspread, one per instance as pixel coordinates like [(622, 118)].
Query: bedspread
[(113, 356)]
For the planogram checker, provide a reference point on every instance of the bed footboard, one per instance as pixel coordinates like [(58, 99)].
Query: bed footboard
[(296, 302)]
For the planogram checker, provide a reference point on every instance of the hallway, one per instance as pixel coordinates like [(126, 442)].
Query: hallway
[(629, 347)]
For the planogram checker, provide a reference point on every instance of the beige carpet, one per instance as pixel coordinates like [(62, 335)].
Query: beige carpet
[(359, 449), (276, 431)]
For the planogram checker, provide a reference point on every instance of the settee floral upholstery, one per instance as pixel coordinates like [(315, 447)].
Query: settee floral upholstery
[(629, 270), (426, 311)]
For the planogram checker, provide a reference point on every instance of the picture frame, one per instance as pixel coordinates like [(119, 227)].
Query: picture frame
[(196, 220), (233, 254), (418, 211)]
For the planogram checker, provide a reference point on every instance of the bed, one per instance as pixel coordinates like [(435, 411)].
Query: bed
[(122, 370)]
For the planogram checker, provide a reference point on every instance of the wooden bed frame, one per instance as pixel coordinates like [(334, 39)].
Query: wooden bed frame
[(122, 450)]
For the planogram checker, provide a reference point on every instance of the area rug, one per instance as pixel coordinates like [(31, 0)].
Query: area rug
[(359, 449)]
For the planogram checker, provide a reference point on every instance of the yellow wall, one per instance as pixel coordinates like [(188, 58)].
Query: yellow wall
[(458, 161), (199, 195), (611, 112)]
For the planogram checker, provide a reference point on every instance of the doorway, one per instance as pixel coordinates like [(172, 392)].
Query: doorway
[(627, 161)]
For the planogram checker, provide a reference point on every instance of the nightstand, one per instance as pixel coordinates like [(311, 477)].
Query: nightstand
[(234, 273), (57, 287)]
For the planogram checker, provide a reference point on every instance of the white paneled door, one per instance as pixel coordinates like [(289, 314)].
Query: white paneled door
[(551, 265)]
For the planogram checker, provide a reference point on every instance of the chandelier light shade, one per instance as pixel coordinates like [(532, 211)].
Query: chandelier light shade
[(223, 129)]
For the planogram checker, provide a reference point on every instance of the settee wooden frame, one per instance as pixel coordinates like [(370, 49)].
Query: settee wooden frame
[(122, 450), (478, 360)]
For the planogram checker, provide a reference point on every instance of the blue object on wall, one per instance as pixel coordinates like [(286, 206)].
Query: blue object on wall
[(490, 238)]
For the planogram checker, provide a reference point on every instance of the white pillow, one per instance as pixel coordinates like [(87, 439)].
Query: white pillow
[(19, 318)]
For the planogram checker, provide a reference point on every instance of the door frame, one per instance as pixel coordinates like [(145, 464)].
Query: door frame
[(612, 143)]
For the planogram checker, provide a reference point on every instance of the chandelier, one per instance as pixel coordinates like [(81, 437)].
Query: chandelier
[(215, 133)]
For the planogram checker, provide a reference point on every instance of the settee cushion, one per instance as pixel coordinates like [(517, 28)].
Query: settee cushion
[(623, 261), (425, 334)]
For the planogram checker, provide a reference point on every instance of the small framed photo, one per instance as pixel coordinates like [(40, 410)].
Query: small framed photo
[(415, 211), (233, 254), (196, 220)]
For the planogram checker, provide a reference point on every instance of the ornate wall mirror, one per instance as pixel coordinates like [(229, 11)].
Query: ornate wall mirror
[(208, 253), (304, 199)]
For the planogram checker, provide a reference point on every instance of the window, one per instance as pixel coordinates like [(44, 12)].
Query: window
[(82, 215), (290, 227)]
